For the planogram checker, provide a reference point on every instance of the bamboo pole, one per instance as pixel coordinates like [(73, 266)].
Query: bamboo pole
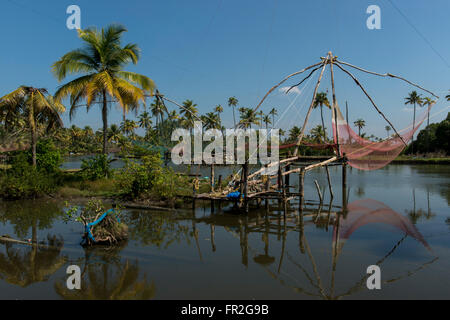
[(299, 140), (282, 81), (271, 165), (318, 191)]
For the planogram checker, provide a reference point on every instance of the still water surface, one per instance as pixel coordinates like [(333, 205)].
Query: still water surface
[(398, 217)]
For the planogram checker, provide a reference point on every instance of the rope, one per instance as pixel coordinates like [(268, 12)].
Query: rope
[(89, 225)]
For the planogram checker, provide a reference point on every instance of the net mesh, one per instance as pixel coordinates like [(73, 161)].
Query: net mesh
[(369, 155)]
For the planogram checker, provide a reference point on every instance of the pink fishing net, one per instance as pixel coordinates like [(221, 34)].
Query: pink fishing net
[(365, 154), (368, 211)]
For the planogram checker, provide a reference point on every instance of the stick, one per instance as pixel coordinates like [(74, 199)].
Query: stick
[(282, 81), (318, 191)]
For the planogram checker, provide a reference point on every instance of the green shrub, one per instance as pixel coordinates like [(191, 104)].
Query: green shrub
[(149, 179), (96, 168)]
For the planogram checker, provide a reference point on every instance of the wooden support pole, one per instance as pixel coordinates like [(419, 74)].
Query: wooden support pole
[(318, 191), (212, 178), (344, 186), (286, 178), (219, 183), (301, 187), (246, 186)]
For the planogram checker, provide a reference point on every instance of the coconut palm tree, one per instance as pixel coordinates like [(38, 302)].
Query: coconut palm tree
[(145, 121), (360, 123), (273, 113), (249, 117), (211, 121), (413, 98), (318, 134), (114, 133), (232, 102), (101, 61), (427, 101), (322, 100), (128, 127), (387, 128), (266, 120), (37, 105), (189, 113), (294, 132)]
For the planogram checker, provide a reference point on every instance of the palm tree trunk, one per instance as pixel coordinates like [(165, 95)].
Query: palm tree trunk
[(414, 126), (323, 126), (234, 118), (105, 121), (33, 133)]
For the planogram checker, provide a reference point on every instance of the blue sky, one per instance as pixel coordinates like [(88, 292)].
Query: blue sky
[(210, 50)]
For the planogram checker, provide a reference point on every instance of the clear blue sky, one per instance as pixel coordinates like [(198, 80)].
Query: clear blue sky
[(210, 50)]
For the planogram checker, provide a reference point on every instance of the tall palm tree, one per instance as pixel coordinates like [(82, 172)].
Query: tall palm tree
[(273, 113), (360, 123), (387, 128), (294, 132), (144, 120), (189, 113), (114, 133), (232, 102), (128, 127), (427, 101), (266, 120), (38, 106), (101, 61), (211, 121), (413, 98), (322, 100), (249, 117)]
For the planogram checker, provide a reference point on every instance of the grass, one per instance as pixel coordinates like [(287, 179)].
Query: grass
[(86, 188)]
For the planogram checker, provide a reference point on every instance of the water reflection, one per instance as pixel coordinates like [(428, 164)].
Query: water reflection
[(105, 276), (24, 264), (358, 214)]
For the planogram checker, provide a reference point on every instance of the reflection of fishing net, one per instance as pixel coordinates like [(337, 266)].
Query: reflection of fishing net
[(368, 211), (365, 154)]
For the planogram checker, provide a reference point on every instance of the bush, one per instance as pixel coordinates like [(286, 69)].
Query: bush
[(26, 182), (149, 179), (48, 157), (96, 168)]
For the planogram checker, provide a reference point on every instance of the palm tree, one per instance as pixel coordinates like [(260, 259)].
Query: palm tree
[(128, 127), (145, 121), (211, 121), (294, 132), (266, 120), (114, 133), (249, 117), (413, 99), (360, 123), (273, 113), (189, 113), (38, 106), (232, 102), (322, 100), (387, 128), (318, 134), (173, 115), (102, 61), (427, 101)]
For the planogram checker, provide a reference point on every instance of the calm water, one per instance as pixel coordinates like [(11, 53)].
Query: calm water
[(397, 217)]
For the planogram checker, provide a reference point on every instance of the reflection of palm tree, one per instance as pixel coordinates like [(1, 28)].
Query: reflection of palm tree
[(25, 266), (110, 279)]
